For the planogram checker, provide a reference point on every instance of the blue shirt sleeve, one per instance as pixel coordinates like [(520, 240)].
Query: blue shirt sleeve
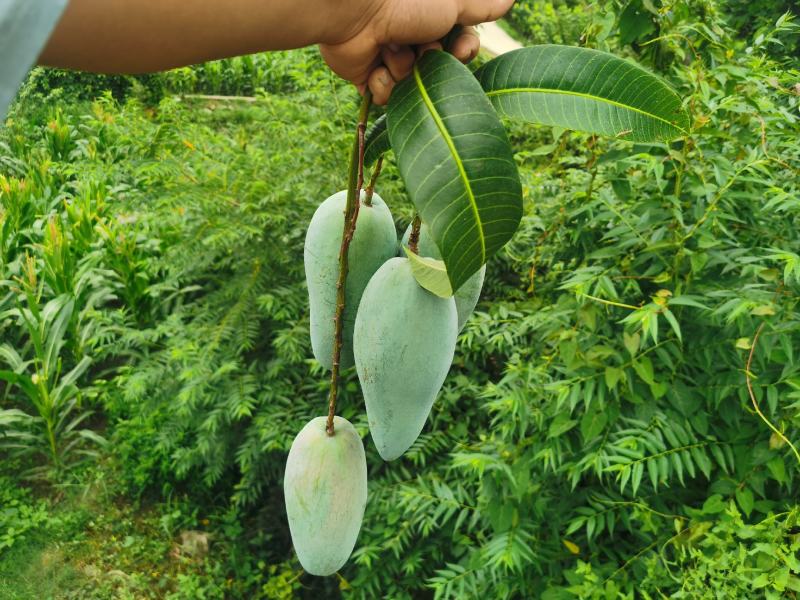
[(25, 26)]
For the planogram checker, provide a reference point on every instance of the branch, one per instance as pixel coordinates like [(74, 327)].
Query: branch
[(373, 180), (354, 184), (748, 377)]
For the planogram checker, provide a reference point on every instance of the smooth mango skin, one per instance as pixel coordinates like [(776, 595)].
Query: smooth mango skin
[(404, 341), (325, 487), (373, 243), (468, 294)]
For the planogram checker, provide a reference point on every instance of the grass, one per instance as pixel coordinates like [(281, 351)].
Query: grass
[(37, 569), (98, 544)]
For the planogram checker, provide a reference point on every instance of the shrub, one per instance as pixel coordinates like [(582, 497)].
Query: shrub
[(596, 436), (550, 21)]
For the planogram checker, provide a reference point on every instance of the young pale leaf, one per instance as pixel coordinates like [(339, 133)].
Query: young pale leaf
[(457, 164), (430, 274), (583, 89), (376, 141)]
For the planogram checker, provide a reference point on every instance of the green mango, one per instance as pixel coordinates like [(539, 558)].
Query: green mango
[(468, 294), (373, 243), (325, 487), (404, 341)]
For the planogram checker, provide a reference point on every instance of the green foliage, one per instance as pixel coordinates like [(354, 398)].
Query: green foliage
[(272, 72), (92, 543), (751, 19), (551, 21), (20, 514), (54, 429), (51, 292), (595, 437)]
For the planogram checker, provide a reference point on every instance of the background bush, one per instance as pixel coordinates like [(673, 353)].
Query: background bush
[(595, 437)]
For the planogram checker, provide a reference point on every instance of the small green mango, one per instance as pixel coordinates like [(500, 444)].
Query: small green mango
[(404, 341), (325, 487), (373, 243), (469, 293)]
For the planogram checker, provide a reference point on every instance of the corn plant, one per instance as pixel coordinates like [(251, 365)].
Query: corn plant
[(53, 430)]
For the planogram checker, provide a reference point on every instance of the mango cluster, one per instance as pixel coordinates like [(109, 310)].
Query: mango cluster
[(400, 337)]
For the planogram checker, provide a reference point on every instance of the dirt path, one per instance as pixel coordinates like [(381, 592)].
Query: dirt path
[(495, 41)]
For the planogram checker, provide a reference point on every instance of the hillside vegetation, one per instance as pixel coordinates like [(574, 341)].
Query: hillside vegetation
[(622, 418)]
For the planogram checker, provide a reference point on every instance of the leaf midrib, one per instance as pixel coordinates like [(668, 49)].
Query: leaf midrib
[(527, 90), (452, 147)]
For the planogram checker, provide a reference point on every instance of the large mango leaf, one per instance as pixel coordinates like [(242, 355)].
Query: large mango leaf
[(456, 162), (376, 141), (583, 89)]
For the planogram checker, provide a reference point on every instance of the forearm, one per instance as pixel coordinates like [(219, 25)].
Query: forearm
[(136, 36)]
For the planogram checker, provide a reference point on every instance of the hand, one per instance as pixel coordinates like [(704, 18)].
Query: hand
[(380, 48)]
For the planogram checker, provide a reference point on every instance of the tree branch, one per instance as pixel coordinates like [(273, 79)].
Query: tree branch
[(354, 184)]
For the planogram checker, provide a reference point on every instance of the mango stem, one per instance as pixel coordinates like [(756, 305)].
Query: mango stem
[(354, 184), (413, 237), (373, 180)]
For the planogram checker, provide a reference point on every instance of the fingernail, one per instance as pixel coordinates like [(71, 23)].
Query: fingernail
[(384, 78)]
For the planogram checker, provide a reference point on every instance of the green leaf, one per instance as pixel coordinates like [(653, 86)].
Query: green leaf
[(702, 461), (631, 342), (720, 457), (583, 89), (678, 465), (592, 423), (376, 141), (11, 416), (638, 471), (658, 389), (686, 301), (560, 425), (58, 313), (673, 322), (777, 468), (713, 505), (11, 357), (430, 273), (644, 369), (22, 380), (761, 581), (652, 471), (456, 162), (744, 497), (612, 376), (634, 23)]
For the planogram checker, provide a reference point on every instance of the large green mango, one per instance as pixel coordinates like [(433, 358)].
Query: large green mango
[(325, 488), (374, 242), (404, 342), (469, 293)]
